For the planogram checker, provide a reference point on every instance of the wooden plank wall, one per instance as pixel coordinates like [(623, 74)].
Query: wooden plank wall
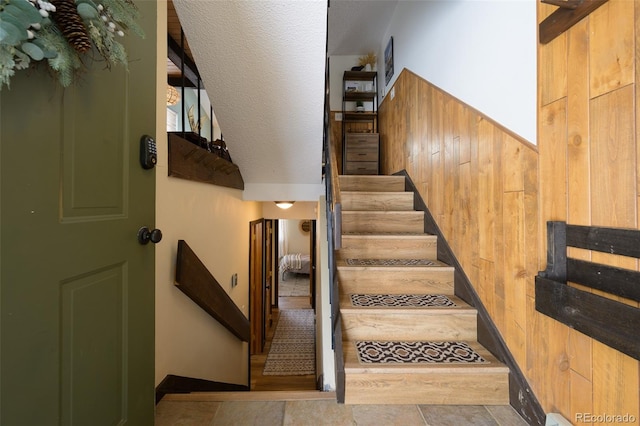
[(588, 142), (492, 194), (481, 184)]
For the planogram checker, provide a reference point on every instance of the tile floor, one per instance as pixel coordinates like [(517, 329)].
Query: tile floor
[(184, 410), (328, 412)]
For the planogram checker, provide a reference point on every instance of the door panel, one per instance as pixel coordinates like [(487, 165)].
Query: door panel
[(84, 196), (312, 267), (256, 291), (94, 328), (269, 281), (77, 290)]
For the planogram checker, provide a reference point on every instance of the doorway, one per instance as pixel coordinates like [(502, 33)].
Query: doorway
[(296, 254), (280, 291)]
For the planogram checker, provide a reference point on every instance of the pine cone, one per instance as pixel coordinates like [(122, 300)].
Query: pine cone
[(70, 23)]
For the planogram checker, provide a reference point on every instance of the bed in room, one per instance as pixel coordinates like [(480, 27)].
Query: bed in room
[(296, 262)]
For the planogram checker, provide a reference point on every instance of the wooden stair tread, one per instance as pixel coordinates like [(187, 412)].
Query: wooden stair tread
[(352, 364), (389, 235), (371, 183), (376, 193), (441, 266), (409, 213), (377, 201), (421, 323)]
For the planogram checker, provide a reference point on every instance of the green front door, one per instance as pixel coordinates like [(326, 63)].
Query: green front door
[(76, 288)]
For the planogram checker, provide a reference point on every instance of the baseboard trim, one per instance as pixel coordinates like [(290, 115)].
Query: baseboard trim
[(172, 384), (521, 397), (253, 396)]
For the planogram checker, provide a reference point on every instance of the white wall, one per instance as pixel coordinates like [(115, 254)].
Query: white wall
[(299, 210), (337, 66), (214, 221), (324, 353), (297, 241), (483, 52)]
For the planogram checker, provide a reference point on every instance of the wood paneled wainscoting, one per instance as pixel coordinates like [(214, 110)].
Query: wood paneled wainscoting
[(588, 153), (491, 194)]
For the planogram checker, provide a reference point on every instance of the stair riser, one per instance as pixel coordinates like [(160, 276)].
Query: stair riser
[(379, 281), (432, 388), (373, 222), (372, 183), (377, 201), (354, 247), (419, 326)]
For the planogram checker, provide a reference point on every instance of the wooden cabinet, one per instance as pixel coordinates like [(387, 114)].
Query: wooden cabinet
[(361, 153), (360, 139)]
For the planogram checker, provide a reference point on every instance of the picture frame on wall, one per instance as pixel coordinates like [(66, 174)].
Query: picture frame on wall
[(388, 61)]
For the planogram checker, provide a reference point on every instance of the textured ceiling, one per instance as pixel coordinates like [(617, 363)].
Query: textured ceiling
[(262, 64), (356, 27)]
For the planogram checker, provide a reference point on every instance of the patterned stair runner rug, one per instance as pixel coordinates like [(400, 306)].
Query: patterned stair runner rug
[(391, 262), (401, 300), (374, 352)]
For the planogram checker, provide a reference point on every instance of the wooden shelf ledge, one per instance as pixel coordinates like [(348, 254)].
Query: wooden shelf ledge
[(189, 161)]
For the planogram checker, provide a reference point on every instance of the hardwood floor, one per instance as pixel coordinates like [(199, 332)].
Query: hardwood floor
[(259, 382)]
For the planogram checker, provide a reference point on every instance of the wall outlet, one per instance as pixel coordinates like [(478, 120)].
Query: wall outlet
[(393, 93), (338, 116), (234, 280)]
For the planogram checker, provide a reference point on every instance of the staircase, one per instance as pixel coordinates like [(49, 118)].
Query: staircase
[(397, 304)]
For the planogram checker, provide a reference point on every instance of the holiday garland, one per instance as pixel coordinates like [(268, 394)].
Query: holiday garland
[(63, 32)]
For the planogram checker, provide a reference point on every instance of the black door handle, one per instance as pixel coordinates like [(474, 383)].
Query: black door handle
[(145, 235)]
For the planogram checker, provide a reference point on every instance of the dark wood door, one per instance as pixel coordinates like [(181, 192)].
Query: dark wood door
[(312, 267), (269, 273), (77, 308), (256, 286)]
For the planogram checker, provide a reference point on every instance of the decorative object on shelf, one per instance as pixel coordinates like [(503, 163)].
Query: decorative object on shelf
[(173, 96), (352, 86), (368, 61), (284, 204), (359, 106), (388, 61), (63, 32), (195, 125)]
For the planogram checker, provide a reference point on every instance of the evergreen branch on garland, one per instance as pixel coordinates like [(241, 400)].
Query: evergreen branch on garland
[(66, 63), (125, 13), (27, 35)]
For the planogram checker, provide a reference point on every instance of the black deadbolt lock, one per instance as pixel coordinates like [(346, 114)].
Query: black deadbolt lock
[(148, 152)]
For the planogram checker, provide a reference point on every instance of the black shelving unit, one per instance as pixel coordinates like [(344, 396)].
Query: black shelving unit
[(360, 150)]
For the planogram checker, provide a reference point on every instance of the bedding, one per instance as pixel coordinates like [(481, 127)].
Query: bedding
[(296, 262)]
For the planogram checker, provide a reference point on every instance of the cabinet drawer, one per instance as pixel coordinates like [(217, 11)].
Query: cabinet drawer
[(361, 168), (362, 155), (361, 140)]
